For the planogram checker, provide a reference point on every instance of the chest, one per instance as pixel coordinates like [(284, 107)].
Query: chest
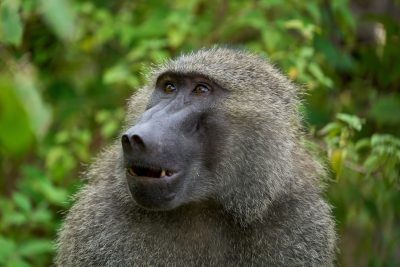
[(192, 240)]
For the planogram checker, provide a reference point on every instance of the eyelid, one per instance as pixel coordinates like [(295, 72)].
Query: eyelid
[(169, 82), (209, 88), (166, 85), (163, 82), (204, 84), (202, 89)]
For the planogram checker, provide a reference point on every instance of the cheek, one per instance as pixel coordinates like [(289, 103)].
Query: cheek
[(213, 139)]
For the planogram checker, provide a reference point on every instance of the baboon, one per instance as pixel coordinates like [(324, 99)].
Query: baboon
[(209, 171)]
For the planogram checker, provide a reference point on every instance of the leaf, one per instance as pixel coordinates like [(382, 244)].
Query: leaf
[(175, 38), (313, 10), (296, 24), (17, 262), (7, 248), (380, 139), (120, 74), (60, 161), (316, 71), (363, 143), (372, 162), (15, 131), (62, 137), (337, 157), (53, 194), (16, 218), (41, 216), (351, 120), (10, 23), (109, 129), (332, 129), (36, 247), (109, 121), (38, 112), (22, 202), (60, 16)]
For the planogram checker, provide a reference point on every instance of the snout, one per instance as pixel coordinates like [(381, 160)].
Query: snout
[(146, 152), (157, 154), (153, 172), (138, 139)]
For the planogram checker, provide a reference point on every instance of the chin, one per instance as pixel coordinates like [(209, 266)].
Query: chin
[(156, 192)]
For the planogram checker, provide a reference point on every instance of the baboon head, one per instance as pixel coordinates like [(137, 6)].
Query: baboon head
[(170, 146), (219, 125)]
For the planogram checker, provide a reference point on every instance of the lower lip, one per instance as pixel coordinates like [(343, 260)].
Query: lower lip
[(164, 187), (151, 180)]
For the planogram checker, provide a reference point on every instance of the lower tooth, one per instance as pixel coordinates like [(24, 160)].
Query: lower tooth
[(131, 172), (162, 173)]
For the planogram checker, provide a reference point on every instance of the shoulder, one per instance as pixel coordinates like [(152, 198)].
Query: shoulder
[(299, 231)]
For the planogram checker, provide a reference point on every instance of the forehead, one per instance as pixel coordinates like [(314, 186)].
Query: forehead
[(190, 76)]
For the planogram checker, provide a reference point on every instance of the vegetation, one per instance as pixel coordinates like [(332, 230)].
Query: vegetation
[(66, 68)]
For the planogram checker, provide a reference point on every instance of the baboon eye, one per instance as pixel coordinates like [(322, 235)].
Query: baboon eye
[(169, 88), (201, 90)]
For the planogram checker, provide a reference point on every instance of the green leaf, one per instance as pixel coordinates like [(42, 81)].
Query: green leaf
[(10, 23), (22, 202), (296, 24), (15, 218), (59, 161), (351, 120), (316, 71), (7, 248), (38, 112), (62, 137), (15, 130), (381, 139), (41, 216), (372, 162), (60, 16), (363, 143), (332, 128), (110, 121), (53, 194), (36, 247), (120, 74), (17, 262)]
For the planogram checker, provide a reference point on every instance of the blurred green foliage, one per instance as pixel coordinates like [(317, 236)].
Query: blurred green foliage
[(66, 68)]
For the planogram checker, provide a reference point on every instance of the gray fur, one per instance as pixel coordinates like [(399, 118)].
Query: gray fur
[(263, 206)]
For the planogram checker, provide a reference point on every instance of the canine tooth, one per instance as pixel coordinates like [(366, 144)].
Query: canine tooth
[(131, 172), (162, 173)]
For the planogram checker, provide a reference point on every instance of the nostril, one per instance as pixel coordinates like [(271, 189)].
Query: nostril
[(137, 141), (125, 140), (132, 141)]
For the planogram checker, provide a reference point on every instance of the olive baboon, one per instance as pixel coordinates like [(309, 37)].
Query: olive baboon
[(212, 173)]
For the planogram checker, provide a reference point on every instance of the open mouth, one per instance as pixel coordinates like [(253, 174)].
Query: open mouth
[(135, 170)]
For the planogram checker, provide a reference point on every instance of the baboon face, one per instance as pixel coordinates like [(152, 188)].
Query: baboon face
[(169, 153)]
